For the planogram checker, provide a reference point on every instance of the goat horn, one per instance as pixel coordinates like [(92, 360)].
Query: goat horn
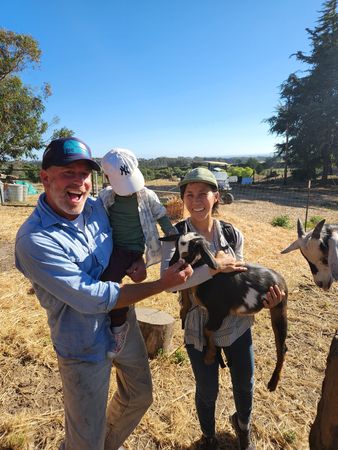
[(294, 246), (318, 229), (300, 229)]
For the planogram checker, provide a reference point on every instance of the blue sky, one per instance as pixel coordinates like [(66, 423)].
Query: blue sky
[(165, 77)]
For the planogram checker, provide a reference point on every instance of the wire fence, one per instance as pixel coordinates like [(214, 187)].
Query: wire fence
[(303, 202), (305, 196), (298, 197), (324, 198)]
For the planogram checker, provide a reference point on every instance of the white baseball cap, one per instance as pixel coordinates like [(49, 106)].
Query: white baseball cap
[(121, 167)]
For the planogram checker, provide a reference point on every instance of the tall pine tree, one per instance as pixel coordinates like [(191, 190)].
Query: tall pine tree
[(307, 115)]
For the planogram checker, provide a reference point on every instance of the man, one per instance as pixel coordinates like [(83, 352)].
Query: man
[(63, 248)]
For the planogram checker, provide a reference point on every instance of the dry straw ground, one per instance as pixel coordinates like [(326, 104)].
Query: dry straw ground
[(31, 415)]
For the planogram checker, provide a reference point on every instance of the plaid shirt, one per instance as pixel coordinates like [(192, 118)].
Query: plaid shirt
[(150, 211), (232, 326)]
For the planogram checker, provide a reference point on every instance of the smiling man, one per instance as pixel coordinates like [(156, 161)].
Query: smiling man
[(63, 248), (66, 176)]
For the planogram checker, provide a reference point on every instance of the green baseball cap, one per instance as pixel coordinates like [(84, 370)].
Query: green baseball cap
[(199, 175)]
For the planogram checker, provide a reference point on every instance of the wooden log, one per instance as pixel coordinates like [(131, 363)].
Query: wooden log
[(157, 328), (324, 431)]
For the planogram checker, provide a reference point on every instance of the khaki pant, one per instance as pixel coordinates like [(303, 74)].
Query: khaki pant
[(85, 388)]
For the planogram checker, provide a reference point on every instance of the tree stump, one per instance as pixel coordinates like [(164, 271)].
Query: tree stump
[(324, 431), (157, 328)]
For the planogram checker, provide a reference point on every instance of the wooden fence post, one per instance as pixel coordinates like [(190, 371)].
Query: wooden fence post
[(324, 431)]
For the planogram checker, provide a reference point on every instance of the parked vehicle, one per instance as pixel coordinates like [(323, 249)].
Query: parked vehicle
[(218, 168), (223, 184)]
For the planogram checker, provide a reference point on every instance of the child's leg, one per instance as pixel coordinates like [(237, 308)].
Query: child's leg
[(118, 317), (120, 261), (137, 271), (118, 264), (115, 271)]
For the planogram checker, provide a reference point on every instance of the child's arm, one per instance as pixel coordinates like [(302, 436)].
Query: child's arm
[(166, 226), (159, 212)]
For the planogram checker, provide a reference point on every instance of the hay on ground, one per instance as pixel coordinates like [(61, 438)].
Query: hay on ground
[(31, 414)]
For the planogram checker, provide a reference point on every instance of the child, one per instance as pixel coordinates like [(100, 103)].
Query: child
[(133, 212)]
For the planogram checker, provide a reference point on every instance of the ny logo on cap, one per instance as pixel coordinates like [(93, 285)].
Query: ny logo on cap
[(124, 170)]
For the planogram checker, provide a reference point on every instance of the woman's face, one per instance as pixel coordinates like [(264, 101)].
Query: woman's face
[(199, 200)]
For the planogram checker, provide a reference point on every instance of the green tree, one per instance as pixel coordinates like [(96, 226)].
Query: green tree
[(62, 133), (255, 164), (307, 116), (16, 52), (21, 108), (32, 172), (240, 171)]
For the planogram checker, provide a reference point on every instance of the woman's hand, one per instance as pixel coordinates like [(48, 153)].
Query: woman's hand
[(273, 297), (227, 263)]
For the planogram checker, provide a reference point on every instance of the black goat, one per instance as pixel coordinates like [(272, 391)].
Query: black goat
[(240, 293)]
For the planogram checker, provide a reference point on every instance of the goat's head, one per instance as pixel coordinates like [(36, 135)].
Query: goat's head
[(192, 248), (320, 248)]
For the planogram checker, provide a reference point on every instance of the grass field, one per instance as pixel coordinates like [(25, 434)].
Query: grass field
[(31, 413)]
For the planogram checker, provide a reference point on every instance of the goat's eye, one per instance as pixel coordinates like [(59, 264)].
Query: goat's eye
[(325, 261)]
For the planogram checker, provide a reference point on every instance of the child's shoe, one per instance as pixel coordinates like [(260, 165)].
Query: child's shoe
[(119, 339)]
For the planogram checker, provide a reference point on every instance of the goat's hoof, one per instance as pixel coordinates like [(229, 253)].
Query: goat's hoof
[(272, 385)]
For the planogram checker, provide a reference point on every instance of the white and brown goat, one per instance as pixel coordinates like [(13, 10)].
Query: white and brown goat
[(240, 293), (320, 248)]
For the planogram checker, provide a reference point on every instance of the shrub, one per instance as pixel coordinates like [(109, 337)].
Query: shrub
[(179, 357), (312, 222), (281, 221), (290, 436), (175, 208)]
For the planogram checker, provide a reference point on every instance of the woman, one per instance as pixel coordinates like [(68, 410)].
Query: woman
[(199, 192)]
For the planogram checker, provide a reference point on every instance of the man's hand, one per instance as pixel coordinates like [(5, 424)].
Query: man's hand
[(273, 297), (137, 271), (132, 293), (175, 275)]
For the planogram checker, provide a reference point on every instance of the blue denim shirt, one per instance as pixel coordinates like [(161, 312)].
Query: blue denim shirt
[(64, 265)]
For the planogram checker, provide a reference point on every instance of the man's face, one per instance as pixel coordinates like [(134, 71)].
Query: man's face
[(67, 188)]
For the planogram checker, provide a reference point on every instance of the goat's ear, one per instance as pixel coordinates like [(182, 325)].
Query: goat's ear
[(207, 257), (318, 229), (171, 238), (333, 255), (294, 246), (300, 229)]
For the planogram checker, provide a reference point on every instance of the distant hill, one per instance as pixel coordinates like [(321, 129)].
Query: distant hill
[(243, 158)]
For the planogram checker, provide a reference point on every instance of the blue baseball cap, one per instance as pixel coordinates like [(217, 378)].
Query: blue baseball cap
[(61, 152)]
